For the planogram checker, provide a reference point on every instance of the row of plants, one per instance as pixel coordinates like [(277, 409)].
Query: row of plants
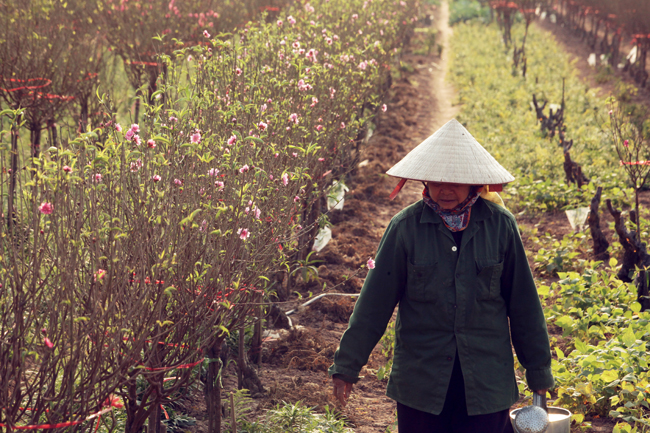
[(132, 251), (502, 118)]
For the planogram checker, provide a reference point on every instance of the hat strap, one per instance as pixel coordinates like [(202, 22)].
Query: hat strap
[(397, 189)]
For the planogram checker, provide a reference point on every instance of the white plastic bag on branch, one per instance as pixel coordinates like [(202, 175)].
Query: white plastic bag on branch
[(336, 195), (322, 238), (577, 217)]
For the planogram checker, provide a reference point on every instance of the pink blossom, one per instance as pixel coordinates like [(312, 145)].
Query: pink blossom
[(296, 198), (151, 144), (118, 128), (232, 140), (46, 208), (135, 166), (137, 140), (363, 65), (309, 8), (213, 172), (196, 138), (302, 86), (67, 169), (48, 343), (610, 113), (135, 128), (335, 37), (285, 179), (329, 41), (243, 234), (319, 128), (178, 182), (296, 45), (384, 108), (173, 119), (269, 101), (156, 178), (262, 126), (355, 16), (219, 185), (293, 117), (626, 143), (314, 101), (279, 23), (258, 212), (342, 125), (263, 108), (321, 159), (295, 154), (371, 263), (291, 20), (244, 168), (332, 92), (99, 275), (98, 177), (206, 34), (129, 134), (238, 71)]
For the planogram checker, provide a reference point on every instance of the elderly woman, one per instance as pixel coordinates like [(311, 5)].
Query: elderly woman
[(456, 266)]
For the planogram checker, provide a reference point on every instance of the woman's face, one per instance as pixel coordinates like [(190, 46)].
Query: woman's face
[(448, 195)]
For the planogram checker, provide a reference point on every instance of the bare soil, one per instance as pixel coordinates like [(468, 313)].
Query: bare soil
[(294, 362)]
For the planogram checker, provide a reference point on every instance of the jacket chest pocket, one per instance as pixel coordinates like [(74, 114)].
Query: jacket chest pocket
[(488, 280), (424, 282)]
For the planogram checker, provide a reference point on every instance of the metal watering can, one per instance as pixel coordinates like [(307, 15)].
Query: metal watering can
[(539, 418)]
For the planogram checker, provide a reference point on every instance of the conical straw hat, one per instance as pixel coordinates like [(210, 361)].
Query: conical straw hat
[(451, 155)]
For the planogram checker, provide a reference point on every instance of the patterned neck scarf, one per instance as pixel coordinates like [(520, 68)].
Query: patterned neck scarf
[(455, 219)]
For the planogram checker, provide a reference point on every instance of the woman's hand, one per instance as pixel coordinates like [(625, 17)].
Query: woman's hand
[(342, 390)]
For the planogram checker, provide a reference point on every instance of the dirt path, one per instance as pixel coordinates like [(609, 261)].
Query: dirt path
[(435, 97)]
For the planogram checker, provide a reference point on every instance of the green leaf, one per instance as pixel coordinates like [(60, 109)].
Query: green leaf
[(578, 418), (582, 347), (609, 375), (613, 262), (628, 338), (635, 306)]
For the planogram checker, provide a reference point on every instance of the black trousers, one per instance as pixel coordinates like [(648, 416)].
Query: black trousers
[(453, 418)]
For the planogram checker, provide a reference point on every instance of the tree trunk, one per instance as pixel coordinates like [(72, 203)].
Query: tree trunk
[(599, 240), (35, 138), (213, 388), (13, 175)]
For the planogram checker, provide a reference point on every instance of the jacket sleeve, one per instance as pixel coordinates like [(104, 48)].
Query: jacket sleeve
[(527, 323), (379, 295)]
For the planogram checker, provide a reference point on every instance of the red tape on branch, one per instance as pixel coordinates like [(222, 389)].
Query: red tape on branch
[(635, 162), (112, 402), (137, 62), (46, 82)]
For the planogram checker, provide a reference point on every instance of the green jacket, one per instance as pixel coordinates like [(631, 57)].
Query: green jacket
[(451, 298)]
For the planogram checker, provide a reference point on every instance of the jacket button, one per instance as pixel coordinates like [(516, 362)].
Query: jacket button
[(454, 248), (455, 306), (449, 358)]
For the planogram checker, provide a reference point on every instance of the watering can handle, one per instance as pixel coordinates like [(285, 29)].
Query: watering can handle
[(540, 400)]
